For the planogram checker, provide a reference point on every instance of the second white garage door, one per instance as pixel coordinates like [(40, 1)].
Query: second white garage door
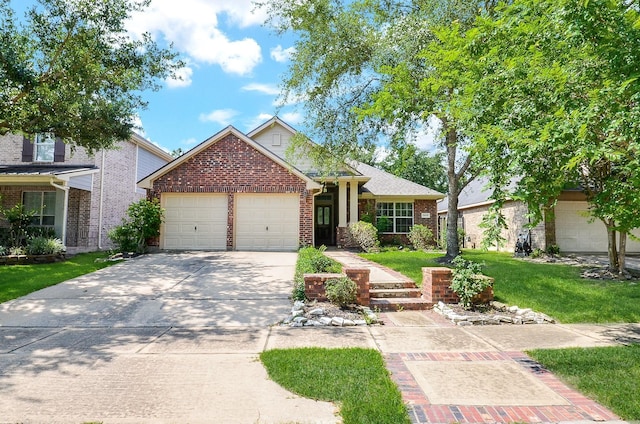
[(194, 221), (267, 221)]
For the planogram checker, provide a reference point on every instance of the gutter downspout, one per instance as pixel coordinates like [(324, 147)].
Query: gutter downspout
[(65, 213), (101, 202)]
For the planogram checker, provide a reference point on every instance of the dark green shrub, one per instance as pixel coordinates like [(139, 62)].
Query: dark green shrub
[(366, 235), (311, 261), (44, 246), (553, 249), (468, 281), (383, 224), (125, 238), (341, 291), (144, 219), (421, 237), (19, 221)]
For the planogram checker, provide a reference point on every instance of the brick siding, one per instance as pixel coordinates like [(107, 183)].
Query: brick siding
[(232, 166), (436, 282)]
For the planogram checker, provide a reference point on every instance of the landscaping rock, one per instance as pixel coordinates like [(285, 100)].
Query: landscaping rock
[(508, 315)]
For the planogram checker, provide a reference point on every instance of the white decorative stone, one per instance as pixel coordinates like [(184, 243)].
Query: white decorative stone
[(297, 313), (360, 322), (317, 311), (348, 323), (337, 321), (301, 319), (325, 320), (297, 306)]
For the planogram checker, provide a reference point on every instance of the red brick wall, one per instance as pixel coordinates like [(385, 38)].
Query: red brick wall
[(232, 166), (436, 282), (314, 284)]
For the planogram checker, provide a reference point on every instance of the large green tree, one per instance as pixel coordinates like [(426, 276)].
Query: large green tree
[(69, 67), (560, 96), (371, 70), (419, 166)]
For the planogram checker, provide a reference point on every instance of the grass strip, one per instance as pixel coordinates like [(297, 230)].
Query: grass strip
[(20, 280), (354, 378), (555, 289), (608, 375)]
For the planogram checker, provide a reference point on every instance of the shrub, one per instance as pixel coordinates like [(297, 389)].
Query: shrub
[(383, 223), (19, 220), (311, 261), (144, 219), (17, 251), (553, 249), (421, 237), (467, 281), (341, 291), (44, 246), (3, 251), (366, 235)]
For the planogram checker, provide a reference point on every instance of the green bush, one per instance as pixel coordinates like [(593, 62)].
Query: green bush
[(311, 261), (383, 224), (366, 235), (144, 219), (341, 291), (421, 237), (553, 249), (3, 251), (44, 246), (468, 281), (19, 221)]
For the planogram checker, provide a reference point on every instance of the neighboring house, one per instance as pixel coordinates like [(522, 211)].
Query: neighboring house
[(80, 196), (237, 191), (570, 228)]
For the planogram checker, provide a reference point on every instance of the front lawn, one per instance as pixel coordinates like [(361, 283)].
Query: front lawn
[(20, 280), (557, 290), (354, 378), (608, 375)]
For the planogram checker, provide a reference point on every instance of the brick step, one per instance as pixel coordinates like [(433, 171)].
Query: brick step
[(395, 293), (407, 304), (392, 285)]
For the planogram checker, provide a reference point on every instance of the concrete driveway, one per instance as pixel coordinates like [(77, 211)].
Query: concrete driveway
[(169, 337)]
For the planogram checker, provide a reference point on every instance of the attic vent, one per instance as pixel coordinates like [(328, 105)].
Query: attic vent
[(275, 139)]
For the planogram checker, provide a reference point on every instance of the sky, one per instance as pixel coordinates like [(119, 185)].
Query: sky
[(234, 67)]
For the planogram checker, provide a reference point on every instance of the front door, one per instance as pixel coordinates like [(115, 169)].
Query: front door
[(324, 226)]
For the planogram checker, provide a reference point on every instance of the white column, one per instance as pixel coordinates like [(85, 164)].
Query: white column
[(342, 204), (353, 202)]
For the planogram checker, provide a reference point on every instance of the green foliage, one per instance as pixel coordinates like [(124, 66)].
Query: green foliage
[(408, 162), (354, 378), (144, 220), (493, 223), (383, 224), (19, 221), (468, 281), (609, 375), (421, 237), (553, 249), (20, 280), (44, 246), (17, 250), (3, 250), (366, 235), (311, 261), (71, 67), (341, 291)]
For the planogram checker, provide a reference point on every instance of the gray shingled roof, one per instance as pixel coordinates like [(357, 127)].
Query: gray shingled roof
[(43, 169), (477, 191), (384, 184)]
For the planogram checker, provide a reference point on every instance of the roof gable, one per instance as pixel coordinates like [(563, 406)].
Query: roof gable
[(385, 184)]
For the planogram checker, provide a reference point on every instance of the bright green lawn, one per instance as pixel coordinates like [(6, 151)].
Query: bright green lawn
[(609, 375), (554, 289), (354, 378), (19, 280)]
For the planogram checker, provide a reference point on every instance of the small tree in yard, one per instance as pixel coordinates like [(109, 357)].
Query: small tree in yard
[(421, 237), (143, 223), (468, 281)]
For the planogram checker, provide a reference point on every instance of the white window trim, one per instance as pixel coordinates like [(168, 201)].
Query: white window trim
[(393, 218), (41, 140)]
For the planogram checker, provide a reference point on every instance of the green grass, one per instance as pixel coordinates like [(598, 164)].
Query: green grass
[(555, 289), (354, 378), (19, 280), (608, 375)]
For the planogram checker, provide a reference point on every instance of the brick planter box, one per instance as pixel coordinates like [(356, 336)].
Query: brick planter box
[(314, 285), (436, 282)]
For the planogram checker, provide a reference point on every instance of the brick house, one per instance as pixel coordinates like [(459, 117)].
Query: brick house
[(570, 227), (80, 196), (238, 191)]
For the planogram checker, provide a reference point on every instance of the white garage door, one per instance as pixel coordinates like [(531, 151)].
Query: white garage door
[(194, 221), (267, 221)]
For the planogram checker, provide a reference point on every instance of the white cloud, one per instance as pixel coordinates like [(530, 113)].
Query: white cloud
[(427, 137), (292, 118), (138, 127), (183, 78), (189, 141), (282, 55), (223, 117), (192, 25), (262, 88)]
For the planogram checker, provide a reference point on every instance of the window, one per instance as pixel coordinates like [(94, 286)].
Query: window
[(44, 204), (394, 217), (44, 147)]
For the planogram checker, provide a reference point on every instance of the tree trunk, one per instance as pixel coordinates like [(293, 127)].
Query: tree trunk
[(622, 252), (611, 247), (453, 248)]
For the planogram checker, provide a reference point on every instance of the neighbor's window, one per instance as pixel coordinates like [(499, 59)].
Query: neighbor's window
[(44, 204), (399, 216), (44, 147)]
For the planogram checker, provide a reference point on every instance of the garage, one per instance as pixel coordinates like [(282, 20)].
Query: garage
[(267, 221), (194, 221)]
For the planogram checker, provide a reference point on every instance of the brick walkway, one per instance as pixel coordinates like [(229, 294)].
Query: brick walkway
[(421, 410)]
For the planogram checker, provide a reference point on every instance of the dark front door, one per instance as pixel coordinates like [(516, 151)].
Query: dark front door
[(324, 225)]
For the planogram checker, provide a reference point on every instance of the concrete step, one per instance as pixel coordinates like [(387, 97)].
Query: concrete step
[(395, 293), (392, 285), (397, 304)]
